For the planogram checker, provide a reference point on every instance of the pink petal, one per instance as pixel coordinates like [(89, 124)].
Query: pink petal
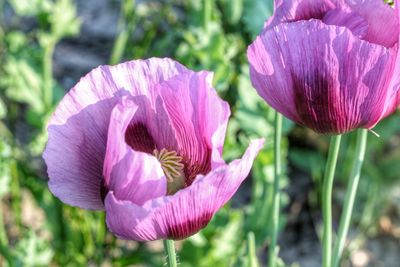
[(383, 24), (132, 175), (184, 114), (380, 31), (321, 76), (78, 129), (199, 117), (184, 213), (351, 20), (277, 3), (295, 10), (393, 100)]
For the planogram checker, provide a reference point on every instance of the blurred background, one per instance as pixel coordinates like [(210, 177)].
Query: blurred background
[(47, 45)]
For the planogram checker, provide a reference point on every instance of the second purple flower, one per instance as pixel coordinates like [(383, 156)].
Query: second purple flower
[(331, 65)]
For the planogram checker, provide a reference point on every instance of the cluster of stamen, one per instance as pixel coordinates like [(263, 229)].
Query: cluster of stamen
[(171, 164)]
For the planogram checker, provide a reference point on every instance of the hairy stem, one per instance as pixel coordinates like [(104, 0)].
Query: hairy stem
[(169, 247)]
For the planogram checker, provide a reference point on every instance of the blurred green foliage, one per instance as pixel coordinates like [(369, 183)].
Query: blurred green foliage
[(207, 34)]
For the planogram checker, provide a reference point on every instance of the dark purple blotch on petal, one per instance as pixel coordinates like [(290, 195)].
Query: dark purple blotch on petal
[(309, 10), (189, 227), (138, 138), (314, 100), (192, 169), (103, 190)]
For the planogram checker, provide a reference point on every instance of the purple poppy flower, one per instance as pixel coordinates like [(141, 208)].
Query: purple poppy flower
[(143, 140), (331, 65)]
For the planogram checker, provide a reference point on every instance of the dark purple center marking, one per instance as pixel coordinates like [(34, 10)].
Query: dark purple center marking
[(188, 228), (315, 102), (192, 169), (103, 190), (138, 138)]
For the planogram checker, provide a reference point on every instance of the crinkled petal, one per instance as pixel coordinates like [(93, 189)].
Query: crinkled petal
[(185, 213), (277, 3), (78, 129), (199, 117), (133, 175), (393, 100), (349, 19), (150, 128), (383, 23), (380, 31), (294, 10), (321, 76)]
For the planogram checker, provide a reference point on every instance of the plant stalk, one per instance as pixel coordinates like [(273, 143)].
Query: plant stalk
[(48, 74), (169, 247), (350, 195), (4, 246), (207, 10), (273, 253), (327, 200), (127, 24), (251, 253)]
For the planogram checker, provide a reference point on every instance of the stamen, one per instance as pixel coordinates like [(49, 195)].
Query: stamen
[(171, 164)]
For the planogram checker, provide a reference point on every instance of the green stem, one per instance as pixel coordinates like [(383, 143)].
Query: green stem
[(350, 195), (327, 200), (101, 237), (207, 9), (276, 194), (48, 74), (15, 194), (171, 255), (90, 246), (4, 247), (251, 254), (126, 23), (3, 233)]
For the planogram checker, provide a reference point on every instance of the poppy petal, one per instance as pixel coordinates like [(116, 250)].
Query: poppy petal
[(379, 31), (295, 10), (351, 20), (77, 131), (199, 118), (133, 175), (184, 213), (321, 76), (393, 100)]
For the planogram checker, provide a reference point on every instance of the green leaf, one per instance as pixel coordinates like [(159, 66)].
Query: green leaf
[(256, 12), (212, 50), (253, 114), (226, 242), (30, 7), (33, 251), (16, 41), (63, 19), (23, 83), (233, 10)]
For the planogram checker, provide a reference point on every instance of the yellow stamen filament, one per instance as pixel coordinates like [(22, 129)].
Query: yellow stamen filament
[(171, 164)]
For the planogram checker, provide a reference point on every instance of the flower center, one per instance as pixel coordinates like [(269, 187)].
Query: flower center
[(171, 164)]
